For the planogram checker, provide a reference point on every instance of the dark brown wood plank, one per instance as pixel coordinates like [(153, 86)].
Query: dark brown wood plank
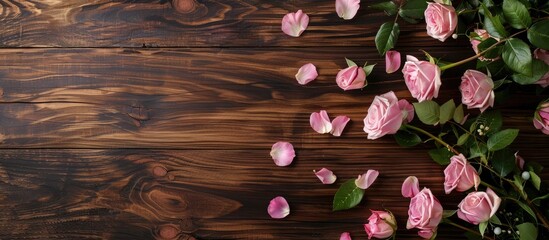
[(189, 23), (213, 194)]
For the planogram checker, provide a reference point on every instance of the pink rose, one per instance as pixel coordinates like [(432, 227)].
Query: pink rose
[(351, 78), (425, 211), (475, 41), (477, 90), (478, 207), (460, 175), (380, 225), (422, 78), (542, 55), (385, 116), (441, 20), (541, 117)]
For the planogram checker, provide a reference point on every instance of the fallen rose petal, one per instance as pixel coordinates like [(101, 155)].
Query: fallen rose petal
[(392, 61), (306, 74), (338, 124), (345, 236), (410, 187), (278, 208), (325, 175), (293, 24), (283, 153), (364, 181), (347, 9), (320, 122)]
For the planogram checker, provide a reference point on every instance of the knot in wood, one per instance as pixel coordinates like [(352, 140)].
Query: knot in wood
[(184, 6), (168, 231)]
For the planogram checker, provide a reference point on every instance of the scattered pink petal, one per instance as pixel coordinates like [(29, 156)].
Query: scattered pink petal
[(345, 236), (410, 187), (282, 153), (278, 208), (306, 74), (338, 125), (392, 61), (364, 181), (320, 122), (293, 24), (347, 9), (325, 175)]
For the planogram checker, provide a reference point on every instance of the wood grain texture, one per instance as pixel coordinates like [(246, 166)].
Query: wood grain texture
[(213, 194), (187, 99), (189, 23)]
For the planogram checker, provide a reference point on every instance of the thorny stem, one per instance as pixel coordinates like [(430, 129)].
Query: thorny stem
[(465, 229), (433, 137)]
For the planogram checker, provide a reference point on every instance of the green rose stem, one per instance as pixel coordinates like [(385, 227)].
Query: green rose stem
[(447, 221), (433, 137), (451, 65)]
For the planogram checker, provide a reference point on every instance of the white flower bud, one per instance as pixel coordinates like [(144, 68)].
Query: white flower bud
[(497, 230), (454, 36), (525, 175)]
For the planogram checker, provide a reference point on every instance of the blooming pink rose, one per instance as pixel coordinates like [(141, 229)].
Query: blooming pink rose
[(543, 55), (384, 116), (441, 20), (351, 78), (460, 175), (425, 211), (477, 90), (422, 78), (478, 207), (541, 118), (381, 225)]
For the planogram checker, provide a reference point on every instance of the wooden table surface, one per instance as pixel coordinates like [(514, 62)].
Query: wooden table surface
[(154, 119)]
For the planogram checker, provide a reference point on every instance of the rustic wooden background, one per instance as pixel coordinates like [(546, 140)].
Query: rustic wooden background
[(153, 119)]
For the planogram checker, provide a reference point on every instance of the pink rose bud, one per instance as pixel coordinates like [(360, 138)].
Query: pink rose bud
[(477, 90), (347, 9), (392, 61), (384, 116), (478, 207), (306, 74), (541, 117), (441, 20), (351, 78), (422, 78), (293, 24), (460, 175), (519, 161), (381, 225), (542, 55), (424, 213)]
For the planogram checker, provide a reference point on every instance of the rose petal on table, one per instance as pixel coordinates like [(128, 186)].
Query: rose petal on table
[(306, 74), (338, 125), (410, 187), (293, 24), (345, 236), (392, 61), (278, 208), (320, 122), (283, 153), (365, 180), (347, 9), (325, 175)]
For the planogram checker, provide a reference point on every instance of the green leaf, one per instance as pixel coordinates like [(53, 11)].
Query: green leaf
[(463, 139), (458, 114), (539, 68), (528, 231), (390, 8), (414, 9), (495, 220), (428, 112), (503, 162), (533, 166), (368, 69), (448, 213), (482, 227), (347, 196), (517, 56), (535, 179), (525, 208), (447, 111), (538, 34), (477, 150), (516, 14), (441, 155), (500, 83), (407, 139), (502, 139), (350, 62), (386, 37), (493, 24), (493, 53), (538, 199)]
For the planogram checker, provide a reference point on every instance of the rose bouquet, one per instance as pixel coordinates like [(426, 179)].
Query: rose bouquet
[(503, 196)]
